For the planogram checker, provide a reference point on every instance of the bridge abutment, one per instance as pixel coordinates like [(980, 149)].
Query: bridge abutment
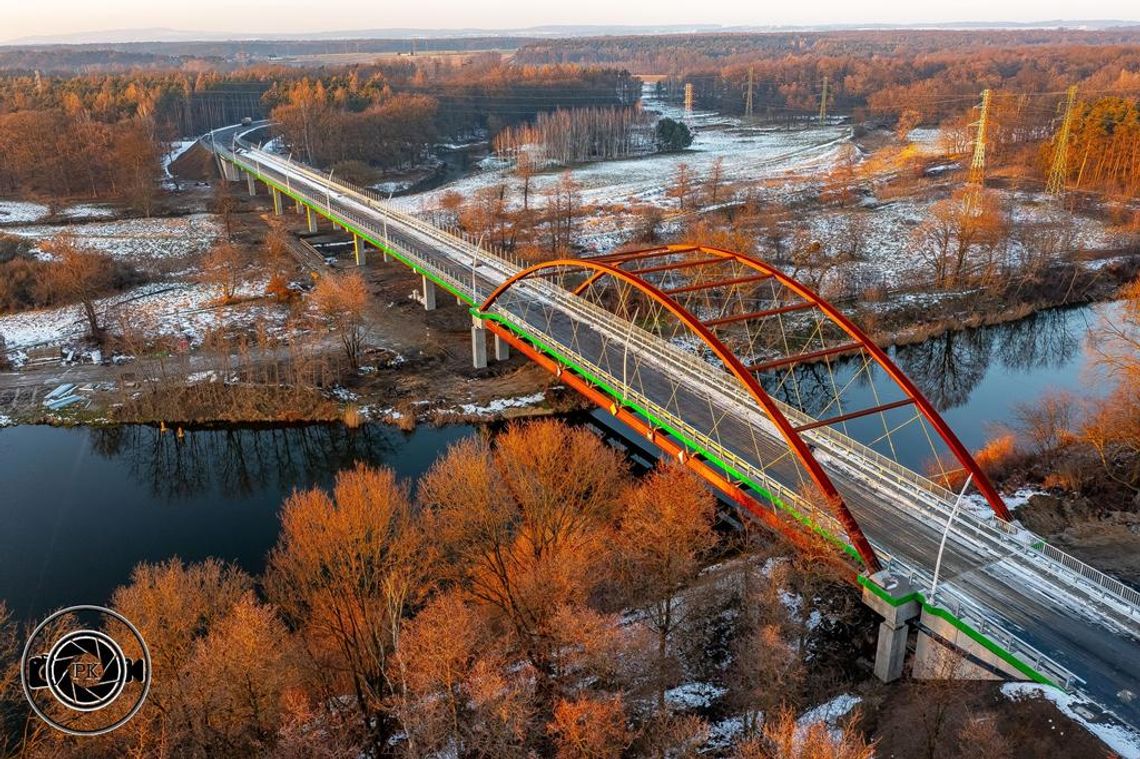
[(945, 651), (478, 343)]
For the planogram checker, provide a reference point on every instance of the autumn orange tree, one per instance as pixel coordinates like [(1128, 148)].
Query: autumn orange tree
[(523, 525), (224, 270), (341, 301), (665, 529), (347, 571)]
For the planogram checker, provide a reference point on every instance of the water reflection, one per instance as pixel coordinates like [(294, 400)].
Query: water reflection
[(81, 507), (240, 461)]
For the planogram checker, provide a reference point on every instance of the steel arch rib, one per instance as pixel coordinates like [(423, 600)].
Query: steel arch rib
[(981, 481), (747, 379)]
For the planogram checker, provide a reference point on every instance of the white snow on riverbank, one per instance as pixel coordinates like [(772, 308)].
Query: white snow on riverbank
[(502, 404), (1120, 738)]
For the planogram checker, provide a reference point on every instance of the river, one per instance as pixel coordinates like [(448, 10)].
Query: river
[(79, 507)]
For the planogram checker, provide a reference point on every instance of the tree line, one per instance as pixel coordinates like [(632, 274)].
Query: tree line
[(569, 136)]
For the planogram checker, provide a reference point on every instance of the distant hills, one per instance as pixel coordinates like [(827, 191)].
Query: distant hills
[(161, 34)]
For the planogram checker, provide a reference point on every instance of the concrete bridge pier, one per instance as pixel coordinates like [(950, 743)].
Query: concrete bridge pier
[(429, 293), (896, 601), (276, 200), (502, 349), (384, 256), (300, 209), (251, 182), (311, 218), (230, 172), (478, 343), (358, 249)]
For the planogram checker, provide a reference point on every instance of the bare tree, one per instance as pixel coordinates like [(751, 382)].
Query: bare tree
[(342, 302), (77, 275)]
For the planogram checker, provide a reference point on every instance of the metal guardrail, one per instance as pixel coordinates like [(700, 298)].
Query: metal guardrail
[(934, 495)]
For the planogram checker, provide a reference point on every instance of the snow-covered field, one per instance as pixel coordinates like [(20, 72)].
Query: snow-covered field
[(25, 212), (136, 240), (747, 152), (157, 309)]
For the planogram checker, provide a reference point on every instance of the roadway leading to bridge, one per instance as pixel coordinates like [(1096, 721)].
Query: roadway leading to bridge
[(1028, 597)]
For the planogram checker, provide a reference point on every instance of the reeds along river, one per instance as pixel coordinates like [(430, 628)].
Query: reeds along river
[(80, 507)]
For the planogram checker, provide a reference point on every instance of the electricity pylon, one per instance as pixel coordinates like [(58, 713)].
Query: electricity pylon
[(978, 164), (977, 177), (1059, 171), (823, 102)]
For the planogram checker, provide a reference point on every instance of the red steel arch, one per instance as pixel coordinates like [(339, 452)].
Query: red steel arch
[(738, 370), (980, 480)]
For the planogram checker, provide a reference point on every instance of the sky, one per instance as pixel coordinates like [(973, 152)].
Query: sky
[(23, 18)]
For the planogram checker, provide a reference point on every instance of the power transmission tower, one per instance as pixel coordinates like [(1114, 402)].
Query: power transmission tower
[(978, 165), (823, 102), (1059, 171), (748, 98), (688, 100)]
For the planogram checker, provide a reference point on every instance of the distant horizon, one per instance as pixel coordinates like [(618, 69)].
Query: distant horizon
[(152, 34)]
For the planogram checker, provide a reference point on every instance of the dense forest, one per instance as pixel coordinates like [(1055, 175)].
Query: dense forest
[(101, 135), (387, 116)]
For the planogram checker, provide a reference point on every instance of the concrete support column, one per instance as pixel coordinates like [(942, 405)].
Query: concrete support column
[(458, 301), (358, 249), (230, 172), (300, 209), (276, 200), (311, 218), (896, 601), (429, 294), (890, 653), (385, 256), (502, 349), (478, 343), (251, 182)]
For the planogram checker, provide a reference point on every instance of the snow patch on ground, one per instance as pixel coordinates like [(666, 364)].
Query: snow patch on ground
[(694, 695), (137, 240), (21, 212), (501, 405), (154, 310), (1120, 738), (177, 148), (88, 211), (6, 421), (830, 712), (724, 733)]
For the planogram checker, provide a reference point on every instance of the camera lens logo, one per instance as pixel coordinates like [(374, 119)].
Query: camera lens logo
[(86, 670)]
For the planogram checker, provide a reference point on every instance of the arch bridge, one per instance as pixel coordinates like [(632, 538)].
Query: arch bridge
[(783, 404)]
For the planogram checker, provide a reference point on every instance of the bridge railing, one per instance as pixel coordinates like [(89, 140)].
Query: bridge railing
[(929, 493)]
